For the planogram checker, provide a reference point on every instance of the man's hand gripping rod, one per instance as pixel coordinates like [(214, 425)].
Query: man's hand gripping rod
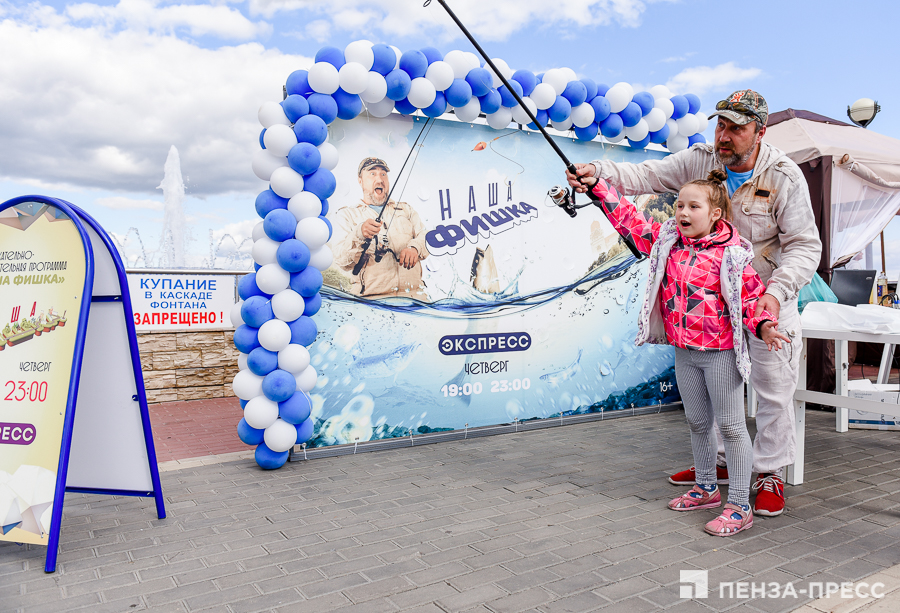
[(569, 165)]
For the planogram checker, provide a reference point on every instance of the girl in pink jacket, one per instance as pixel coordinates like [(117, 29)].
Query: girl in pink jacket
[(701, 292)]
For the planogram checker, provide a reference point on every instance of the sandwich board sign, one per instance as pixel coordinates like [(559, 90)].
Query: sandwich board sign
[(73, 409)]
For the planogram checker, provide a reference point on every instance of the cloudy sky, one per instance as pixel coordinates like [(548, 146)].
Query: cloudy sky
[(94, 94)]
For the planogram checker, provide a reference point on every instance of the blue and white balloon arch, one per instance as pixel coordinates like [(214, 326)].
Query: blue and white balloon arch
[(274, 324)]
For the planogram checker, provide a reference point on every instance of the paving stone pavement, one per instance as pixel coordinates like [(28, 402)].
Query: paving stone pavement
[(566, 519)]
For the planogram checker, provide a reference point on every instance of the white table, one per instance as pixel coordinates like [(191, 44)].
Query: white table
[(840, 398)]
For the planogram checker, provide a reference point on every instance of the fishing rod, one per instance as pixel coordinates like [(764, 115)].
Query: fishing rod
[(368, 241), (568, 202)]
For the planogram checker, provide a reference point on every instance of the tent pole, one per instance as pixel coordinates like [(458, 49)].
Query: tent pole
[(883, 265)]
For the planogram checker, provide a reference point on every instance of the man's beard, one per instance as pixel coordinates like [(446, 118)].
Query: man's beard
[(735, 158), (378, 199)]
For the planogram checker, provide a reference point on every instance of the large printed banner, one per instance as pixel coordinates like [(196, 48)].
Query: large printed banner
[(42, 275), (181, 301), (478, 302)]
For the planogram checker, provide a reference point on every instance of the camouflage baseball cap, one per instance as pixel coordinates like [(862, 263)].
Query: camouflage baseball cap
[(368, 163), (742, 107)]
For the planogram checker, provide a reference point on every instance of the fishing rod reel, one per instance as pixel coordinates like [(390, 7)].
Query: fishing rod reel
[(564, 198)]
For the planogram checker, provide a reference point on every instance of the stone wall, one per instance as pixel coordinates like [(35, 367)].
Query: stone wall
[(187, 365)]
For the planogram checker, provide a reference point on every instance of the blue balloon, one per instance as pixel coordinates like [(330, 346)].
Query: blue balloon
[(480, 80), (332, 55), (295, 106), (696, 138), (681, 106), (506, 97), (311, 129), (256, 310), (327, 223), (398, 84), (246, 339), (602, 88), (693, 103), (262, 142), (591, 87), (432, 55), (298, 83), (307, 282), (459, 93), (296, 409), (304, 158), (268, 201), (526, 79), (539, 78), (280, 225), (261, 361), (305, 430), (248, 434), (268, 459), (349, 105), (321, 183), (414, 63), (542, 116), (575, 92), (385, 59), (405, 107), (436, 108), (279, 385), (323, 106), (256, 267), (645, 101), (324, 207), (312, 305), (243, 404), (588, 133), (601, 108), (303, 331), (490, 102), (612, 126), (247, 287), (631, 114), (292, 255), (640, 144), (661, 136), (561, 109)]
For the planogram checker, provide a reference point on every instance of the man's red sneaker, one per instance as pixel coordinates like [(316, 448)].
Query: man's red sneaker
[(689, 476), (770, 495)]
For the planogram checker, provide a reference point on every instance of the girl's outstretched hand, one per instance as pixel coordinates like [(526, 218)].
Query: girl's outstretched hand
[(771, 336)]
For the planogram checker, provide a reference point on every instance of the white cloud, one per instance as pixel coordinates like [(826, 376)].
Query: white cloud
[(121, 203), (701, 79)]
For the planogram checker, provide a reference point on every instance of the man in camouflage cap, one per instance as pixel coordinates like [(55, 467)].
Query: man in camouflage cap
[(771, 208)]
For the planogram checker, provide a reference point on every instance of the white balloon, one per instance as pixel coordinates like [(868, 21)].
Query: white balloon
[(286, 182), (673, 127), (329, 155), (618, 97), (324, 78), (458, 62), (665, 105), (264, 251), (441, 74), (288, 305), (687, 125), (556, 79), (242, 361), (504, 69), (272, 278), (472, 60), (321, 258), (616, 139), (279, 139), (259, 230), (280, 436), (271, 113), (274, 335), (360, 51), (501, 119), (702, 122), (261, 413), (544, 95), (264, 164), (380, 109), (655, 119), (376, 88), (625, 87), (638, 131), (294, 359), (660, 91), (569, 74), (677, 143), (246, 385), (236, 319), (305, 204), (353, 78), (582, 115), (421, 93), (306, 380), (398, 53), (470, 111), (563, 126), (519, 114), (312, 231)]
